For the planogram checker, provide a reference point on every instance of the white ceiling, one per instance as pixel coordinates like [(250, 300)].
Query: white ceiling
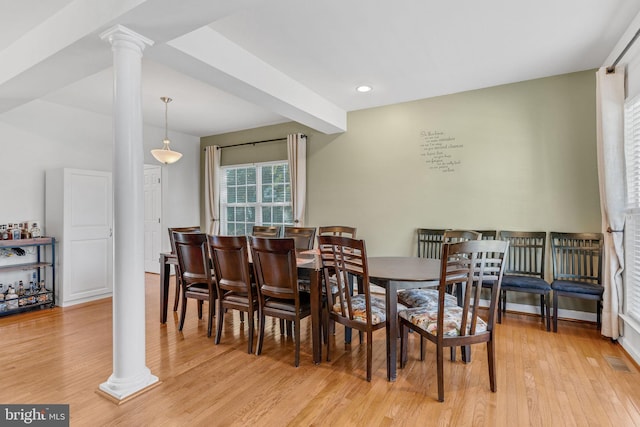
[(238, 64)]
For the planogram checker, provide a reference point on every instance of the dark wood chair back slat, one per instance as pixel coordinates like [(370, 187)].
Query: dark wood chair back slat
[(266, 231), (337, 230), (526, 252), (304, 237)]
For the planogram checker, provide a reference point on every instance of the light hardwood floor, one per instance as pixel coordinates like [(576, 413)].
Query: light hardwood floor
[(544, 379)]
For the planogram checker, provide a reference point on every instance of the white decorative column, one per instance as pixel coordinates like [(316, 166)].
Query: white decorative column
[(130, 373)]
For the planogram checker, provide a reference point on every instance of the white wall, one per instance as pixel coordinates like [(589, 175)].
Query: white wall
[(42, 135)]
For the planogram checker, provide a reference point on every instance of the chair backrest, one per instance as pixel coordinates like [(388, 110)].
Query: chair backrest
[(474, 265), (430, 242), (193, 229), (577, 256), (456, 236), (345, 257), (488, 234), (275, 268), (230, 259), (526, 252), (193, 257), (265, 231), (337, 230), (305, 237)]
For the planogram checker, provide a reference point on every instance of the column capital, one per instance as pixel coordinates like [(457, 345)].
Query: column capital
[(120, 32)]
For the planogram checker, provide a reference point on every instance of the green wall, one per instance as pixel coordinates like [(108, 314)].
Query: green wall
[(515, 157)]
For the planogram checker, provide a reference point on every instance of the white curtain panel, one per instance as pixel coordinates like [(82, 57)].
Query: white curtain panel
[(297, 154), (212, 189), (610, 145)]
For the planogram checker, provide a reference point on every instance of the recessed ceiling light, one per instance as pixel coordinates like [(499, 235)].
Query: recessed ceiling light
[(364, 89)]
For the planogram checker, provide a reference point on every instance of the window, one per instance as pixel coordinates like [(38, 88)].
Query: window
[(257, 194), (632, 220)]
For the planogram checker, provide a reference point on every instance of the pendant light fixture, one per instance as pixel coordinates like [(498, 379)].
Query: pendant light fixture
[(165, 154)]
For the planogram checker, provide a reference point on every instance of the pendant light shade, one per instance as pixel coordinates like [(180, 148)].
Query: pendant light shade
[(165, 154)]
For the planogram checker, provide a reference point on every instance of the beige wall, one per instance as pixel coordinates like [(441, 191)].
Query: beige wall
[(524, 158)]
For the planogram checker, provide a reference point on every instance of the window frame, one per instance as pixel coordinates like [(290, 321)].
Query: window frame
[(259, 204)]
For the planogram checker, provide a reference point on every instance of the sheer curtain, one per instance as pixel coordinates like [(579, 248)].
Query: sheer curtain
[(297, 154), (211, 189), (610, 145)]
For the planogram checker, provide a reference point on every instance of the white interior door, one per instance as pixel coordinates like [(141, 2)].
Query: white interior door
[(152, 218), (88, 240)]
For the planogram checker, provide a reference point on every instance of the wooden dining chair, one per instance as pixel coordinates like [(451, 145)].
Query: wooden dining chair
[(230, 258), (471, 264), (266, 231), (342, 231), (276, 274), (196, 279), (525, 269), (193, 229), (344, 257), (577, 269), (305, 237), (424, 297)]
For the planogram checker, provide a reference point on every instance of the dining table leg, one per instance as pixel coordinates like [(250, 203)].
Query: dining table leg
[(316, 316), (391, 299), (165, 272)]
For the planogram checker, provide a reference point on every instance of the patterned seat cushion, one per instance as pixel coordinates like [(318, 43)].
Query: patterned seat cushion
[(424, 298), (378, 312), (427, 320)]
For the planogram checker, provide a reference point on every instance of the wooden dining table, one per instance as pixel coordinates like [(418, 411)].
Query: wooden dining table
[(393, 274), (307, 262)]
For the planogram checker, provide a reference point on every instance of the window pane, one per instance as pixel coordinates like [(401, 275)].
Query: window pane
[(231, 216), (240, 214), (251, 176), (278, 195), (231, 195), (278, 174), (252, 194), (288, 215), (278, 214), (231, 176), (241, 195), (231, 229), (267, 194), (241, 230), (266, 214), (242, 177), (267, 174)]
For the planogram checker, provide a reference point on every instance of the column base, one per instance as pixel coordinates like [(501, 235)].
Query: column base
[(120, 390)]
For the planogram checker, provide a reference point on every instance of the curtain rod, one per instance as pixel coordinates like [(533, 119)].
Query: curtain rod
[(612, 68), (255, 142)]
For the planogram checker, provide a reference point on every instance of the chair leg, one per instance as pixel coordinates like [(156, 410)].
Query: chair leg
[(369, 353), (183, 312), (212, 310), (200, 302), (220, 322), (296, 333), (555, 312), (547, 297), (329, 343), (502, 304), (599, 313), (492, 364), (261, 319), (440, 364), (423, 347), (176, 298), (242, 316), (250, 326), (542, 307)]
